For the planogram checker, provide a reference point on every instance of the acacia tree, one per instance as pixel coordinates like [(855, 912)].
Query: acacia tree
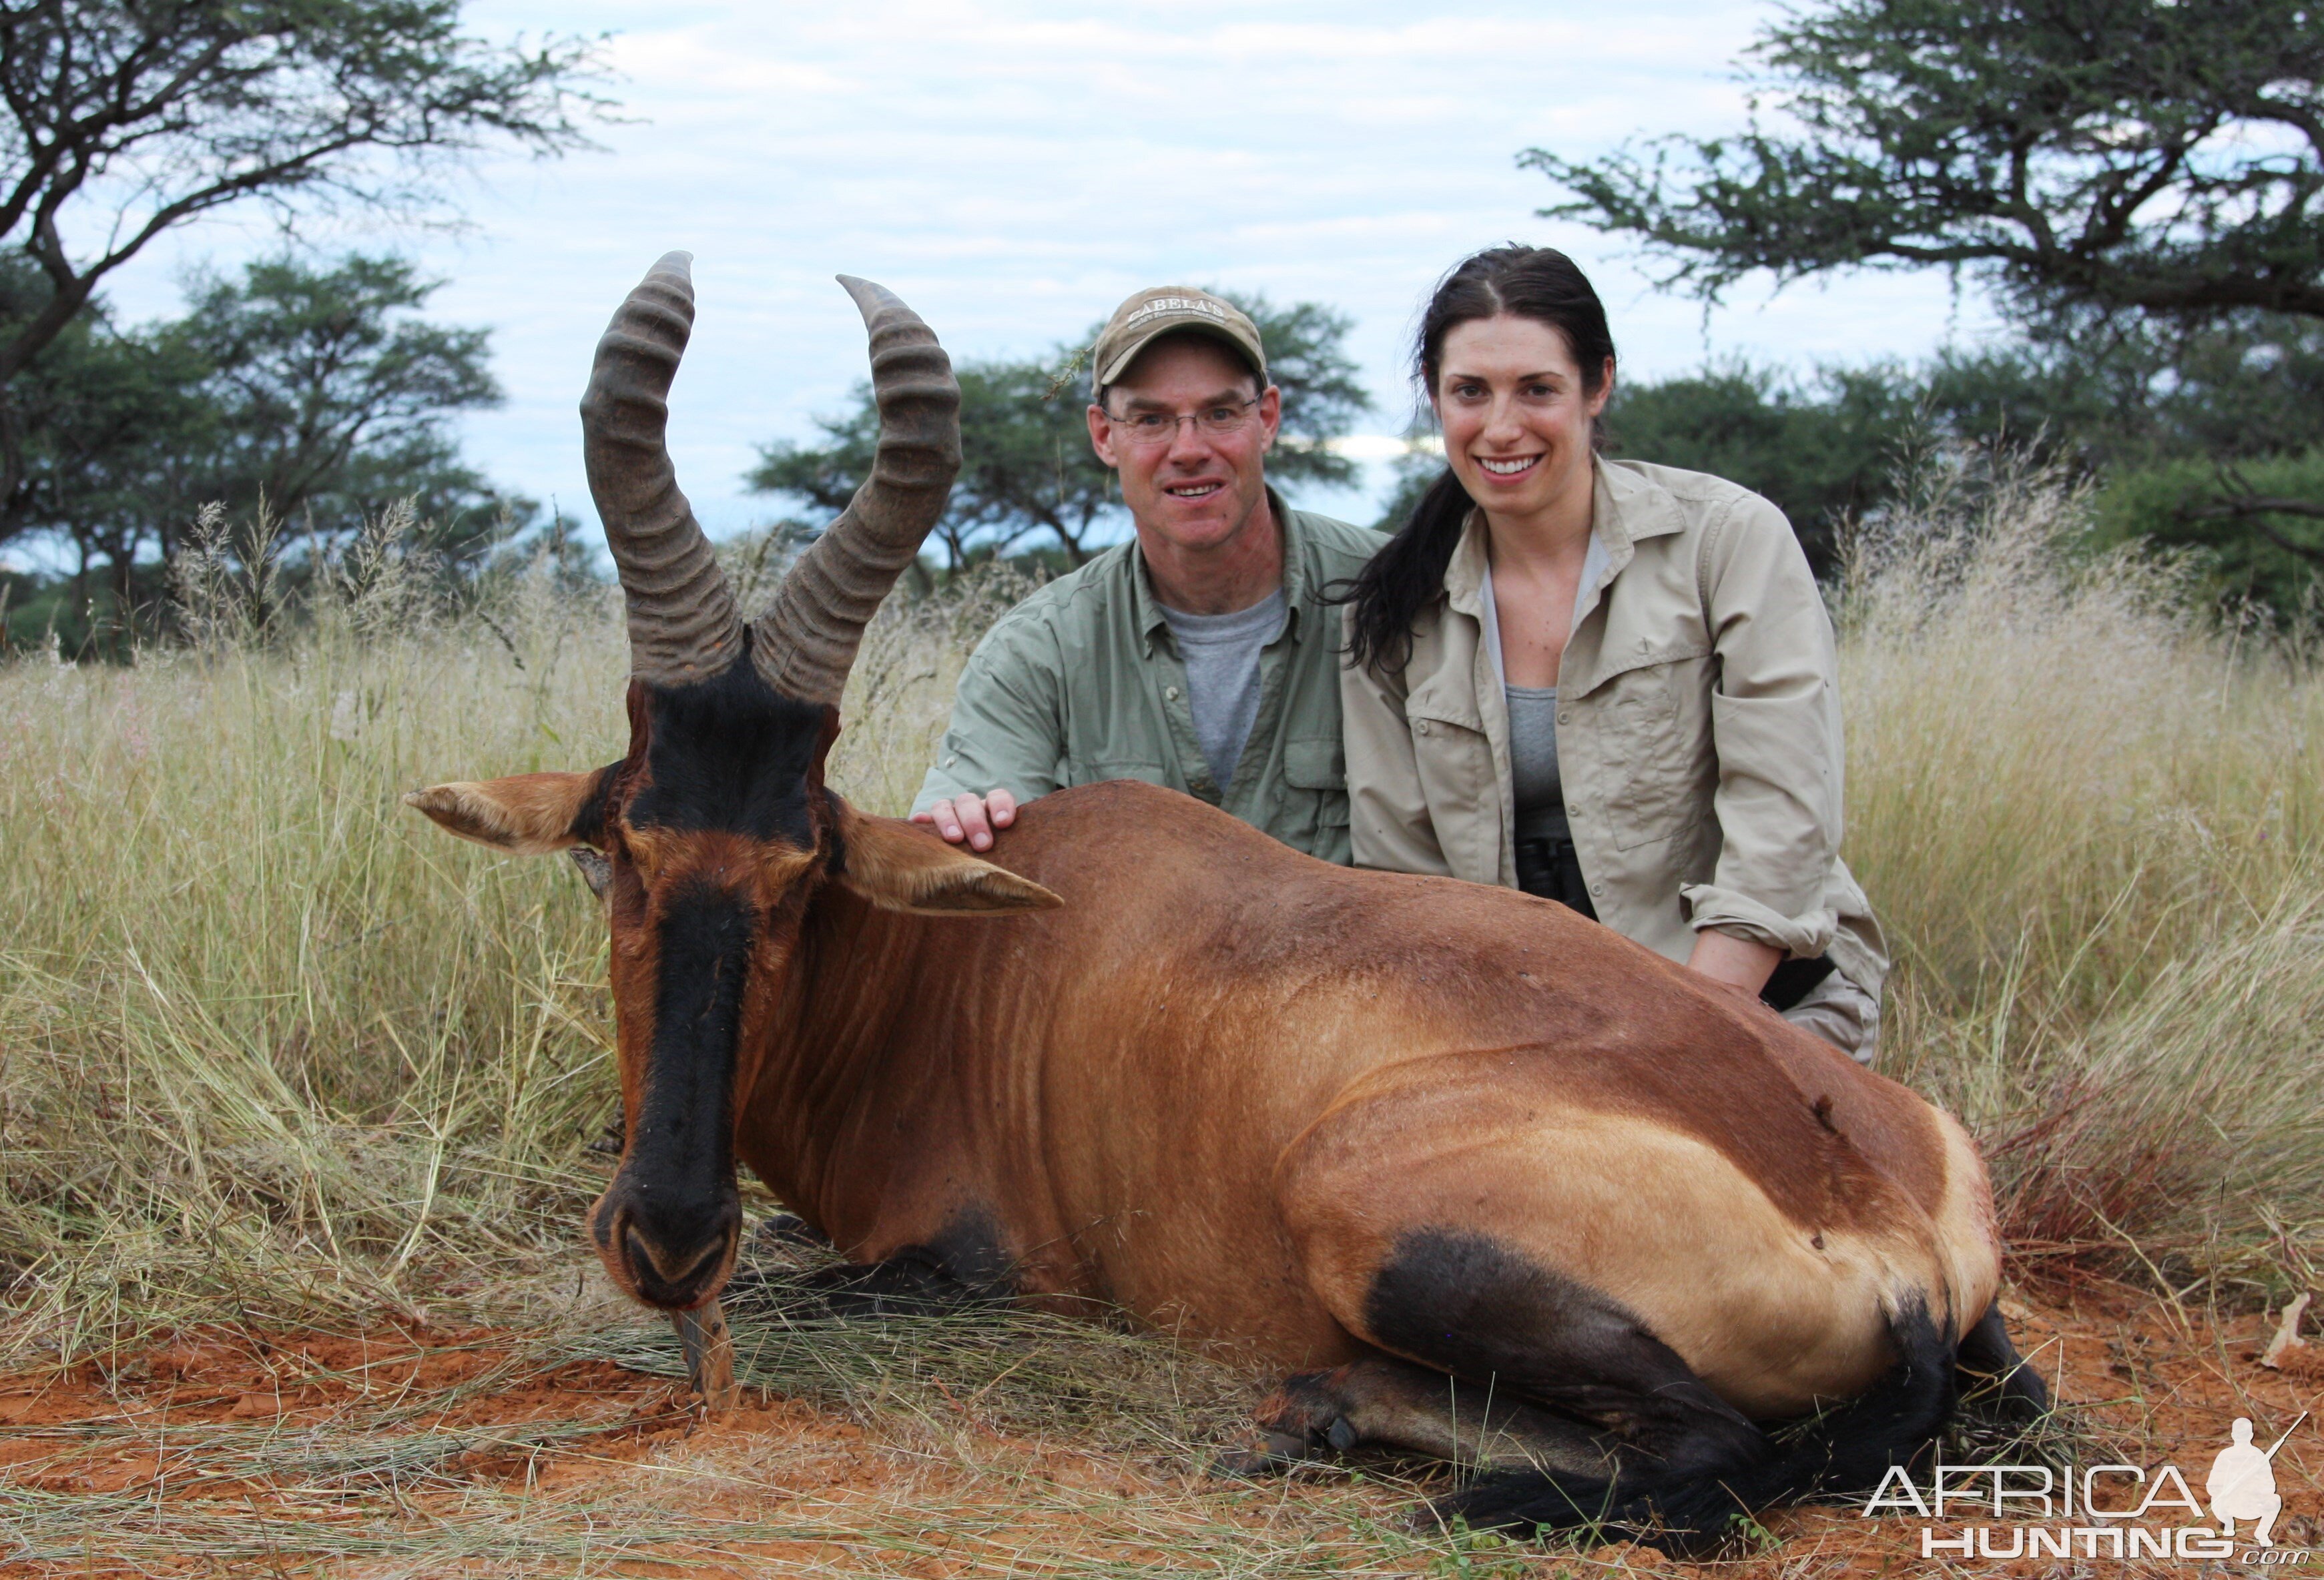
[(126, 117), (2148, 155), (1029, 471), (2144, 175), (121, 433), (315, 391), (332, 397)]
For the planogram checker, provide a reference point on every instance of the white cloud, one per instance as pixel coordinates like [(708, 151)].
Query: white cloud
[(1013, 168)]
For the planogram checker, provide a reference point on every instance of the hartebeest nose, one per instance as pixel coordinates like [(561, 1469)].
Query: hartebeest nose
[(673, 1249)]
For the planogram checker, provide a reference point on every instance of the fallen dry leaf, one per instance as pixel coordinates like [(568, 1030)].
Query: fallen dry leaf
[(2287, 1335)]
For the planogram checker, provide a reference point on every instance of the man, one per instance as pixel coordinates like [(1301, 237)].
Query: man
[(1203, 654)]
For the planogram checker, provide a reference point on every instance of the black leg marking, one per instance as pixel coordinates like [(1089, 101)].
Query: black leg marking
[(1688, 1468), (965, 1266), (1995, 1380), (1462, 1302), (779, 1230), (1392, 1404)]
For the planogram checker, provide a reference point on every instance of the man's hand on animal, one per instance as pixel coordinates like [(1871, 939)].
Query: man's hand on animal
[(971, 819)]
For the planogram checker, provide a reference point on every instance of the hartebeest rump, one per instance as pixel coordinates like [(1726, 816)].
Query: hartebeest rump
[(1399, 1134)]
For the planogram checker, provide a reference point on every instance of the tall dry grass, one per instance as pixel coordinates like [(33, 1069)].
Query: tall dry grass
[(2093, 825), (272, 1047)]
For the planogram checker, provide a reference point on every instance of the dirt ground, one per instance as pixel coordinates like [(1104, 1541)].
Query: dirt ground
[(402, 1453)]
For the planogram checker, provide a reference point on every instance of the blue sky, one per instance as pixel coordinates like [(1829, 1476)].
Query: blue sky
[(1013, 168)]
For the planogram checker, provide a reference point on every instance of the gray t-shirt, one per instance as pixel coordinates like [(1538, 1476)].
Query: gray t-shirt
[(1534, 780), (1221, 656)]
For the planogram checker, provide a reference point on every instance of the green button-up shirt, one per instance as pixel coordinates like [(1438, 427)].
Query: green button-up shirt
[(1083, 682)]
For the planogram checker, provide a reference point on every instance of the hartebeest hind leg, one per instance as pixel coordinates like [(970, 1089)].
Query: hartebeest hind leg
[(1995, 1378), (1684, 1466)]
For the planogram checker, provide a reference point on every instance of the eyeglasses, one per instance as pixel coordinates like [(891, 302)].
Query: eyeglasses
[(1153, 428)]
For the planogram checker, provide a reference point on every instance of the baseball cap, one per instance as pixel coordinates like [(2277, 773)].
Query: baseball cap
[(1161, 310)]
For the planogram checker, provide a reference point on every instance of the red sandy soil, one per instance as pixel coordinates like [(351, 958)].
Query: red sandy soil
[(2159, 1382)]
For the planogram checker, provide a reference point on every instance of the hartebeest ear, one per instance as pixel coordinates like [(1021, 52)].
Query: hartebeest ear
[(532, 814), (902, 867)]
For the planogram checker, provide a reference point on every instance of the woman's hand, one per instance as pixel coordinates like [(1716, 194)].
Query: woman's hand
[(1739, 963)]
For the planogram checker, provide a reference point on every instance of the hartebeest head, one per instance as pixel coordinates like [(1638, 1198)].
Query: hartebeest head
[(715, 829)]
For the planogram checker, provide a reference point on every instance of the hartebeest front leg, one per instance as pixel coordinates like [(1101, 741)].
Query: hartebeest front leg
[(1392, 1404), (709, 1348)]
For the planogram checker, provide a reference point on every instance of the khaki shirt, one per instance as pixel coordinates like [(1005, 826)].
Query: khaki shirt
[(1697, 732), (1083, 682)]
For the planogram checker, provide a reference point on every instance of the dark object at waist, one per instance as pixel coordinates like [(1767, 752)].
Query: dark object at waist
[(1549, 869)]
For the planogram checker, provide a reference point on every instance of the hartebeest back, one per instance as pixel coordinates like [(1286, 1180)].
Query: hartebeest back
[(1410, 1135)]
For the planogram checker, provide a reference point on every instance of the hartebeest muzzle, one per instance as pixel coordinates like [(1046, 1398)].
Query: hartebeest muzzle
[(671, 1219)]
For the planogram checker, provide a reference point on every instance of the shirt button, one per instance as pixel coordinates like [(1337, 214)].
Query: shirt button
[(1597, 888), (1574, 809), (1172, 693), (1564, 717), (1422, 727), (950, 761)]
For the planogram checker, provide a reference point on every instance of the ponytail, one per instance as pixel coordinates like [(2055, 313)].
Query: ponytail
[(1406, 577)]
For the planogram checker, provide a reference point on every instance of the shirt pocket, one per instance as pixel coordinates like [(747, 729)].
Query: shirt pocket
[(1315, 777), (1459, 786), (1650, 765)]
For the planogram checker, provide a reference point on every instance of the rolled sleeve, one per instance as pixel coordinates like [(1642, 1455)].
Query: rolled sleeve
[(1007, 729), (1776, 730)]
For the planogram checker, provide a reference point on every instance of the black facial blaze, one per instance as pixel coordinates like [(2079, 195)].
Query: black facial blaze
[(683, 1156), (730, 753)]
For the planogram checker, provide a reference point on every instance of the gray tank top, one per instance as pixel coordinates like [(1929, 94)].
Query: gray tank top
[(1539, 793)]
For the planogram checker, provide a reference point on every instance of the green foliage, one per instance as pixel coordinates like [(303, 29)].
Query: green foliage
[(126, 118), (1030, 472), (2258, 528), (1480, 1554), (333, 399), (1824, 451), (1322, 396), (312, 395), (2182, 428), (2157, 158), (1028, 468), (111, 427), (2140, 181), (1416, 472)]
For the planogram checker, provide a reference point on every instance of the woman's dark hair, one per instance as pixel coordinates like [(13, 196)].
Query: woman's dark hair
[(1403, 579)]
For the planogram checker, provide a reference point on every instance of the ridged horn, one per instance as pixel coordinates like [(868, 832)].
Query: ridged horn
[(683, 623), (806, 640)]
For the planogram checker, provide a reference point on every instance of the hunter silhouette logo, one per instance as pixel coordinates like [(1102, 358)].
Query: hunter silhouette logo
[(2242, 1482), (2123, 1511)]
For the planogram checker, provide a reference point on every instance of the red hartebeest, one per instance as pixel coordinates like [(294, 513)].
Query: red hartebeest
[(1400, 1132)]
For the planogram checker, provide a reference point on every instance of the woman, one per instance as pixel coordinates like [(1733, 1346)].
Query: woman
[(1606, 682)]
